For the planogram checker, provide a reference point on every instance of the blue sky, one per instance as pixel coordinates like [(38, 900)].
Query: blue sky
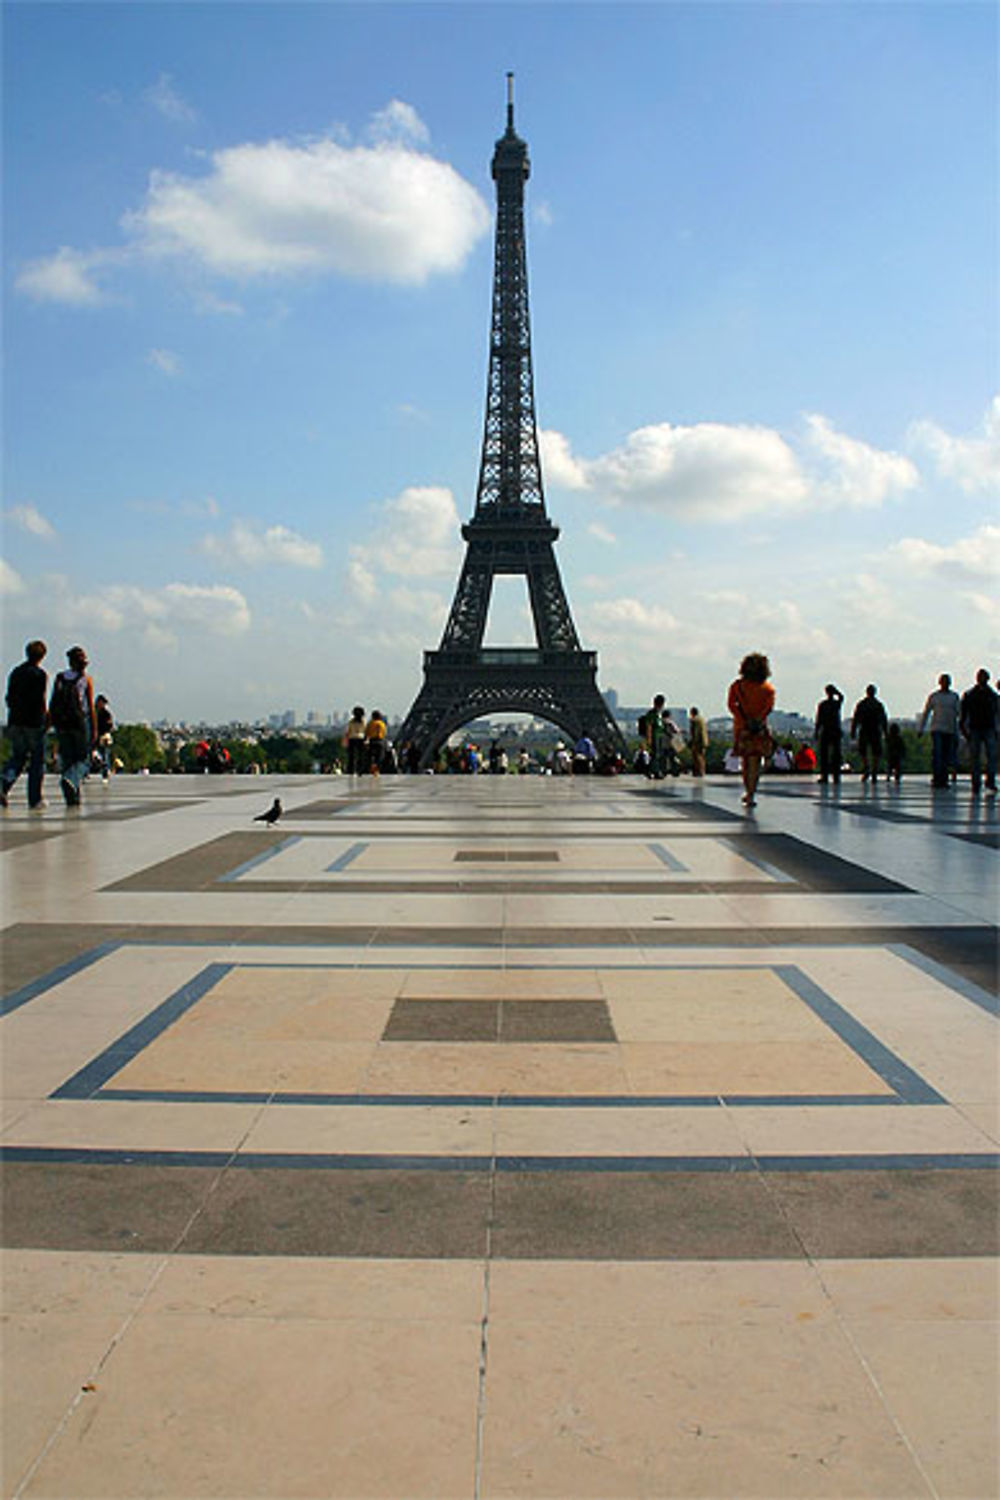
[(248, 262)]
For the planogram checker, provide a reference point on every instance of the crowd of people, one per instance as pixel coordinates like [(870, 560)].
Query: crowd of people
[(82, 724)]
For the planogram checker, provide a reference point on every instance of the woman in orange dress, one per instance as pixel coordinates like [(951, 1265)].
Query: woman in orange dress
[(751, 699)]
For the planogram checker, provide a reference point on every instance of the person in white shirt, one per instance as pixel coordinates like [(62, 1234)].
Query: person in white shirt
[(942, 709)]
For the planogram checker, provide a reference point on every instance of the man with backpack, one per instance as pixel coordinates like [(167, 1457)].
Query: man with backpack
[(73, 717)]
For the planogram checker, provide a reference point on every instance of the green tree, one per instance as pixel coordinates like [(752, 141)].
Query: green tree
[(138, 748)]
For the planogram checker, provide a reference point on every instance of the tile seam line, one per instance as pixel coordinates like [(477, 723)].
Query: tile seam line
[(130, 1317), (844, 1326)]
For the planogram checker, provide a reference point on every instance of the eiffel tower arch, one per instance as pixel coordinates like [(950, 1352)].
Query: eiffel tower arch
[(510, 533)]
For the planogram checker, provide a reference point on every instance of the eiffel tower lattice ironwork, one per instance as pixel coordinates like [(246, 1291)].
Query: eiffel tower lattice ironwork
[(510, 533)]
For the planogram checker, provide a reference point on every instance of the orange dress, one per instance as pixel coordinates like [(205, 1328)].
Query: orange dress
[(750, 700)]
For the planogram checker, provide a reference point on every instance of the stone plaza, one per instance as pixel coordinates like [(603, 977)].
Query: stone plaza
[(500, 1137)]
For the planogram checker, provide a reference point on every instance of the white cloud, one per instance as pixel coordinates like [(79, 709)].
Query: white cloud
[(67, 277), (28, 519), (218, 608), (385, 212), (559, 467), (153, 616), (11, 581), (602, 533), (416, 536), (973, 557), (987, 606), (709, 471), (165, 361), (973, 463), (164, 98), (712, 471), (398, 122), (361, 581), (632, 615), (854, 474), (253, 548)]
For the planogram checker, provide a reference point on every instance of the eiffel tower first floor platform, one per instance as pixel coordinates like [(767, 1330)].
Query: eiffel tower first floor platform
[(459, 686)]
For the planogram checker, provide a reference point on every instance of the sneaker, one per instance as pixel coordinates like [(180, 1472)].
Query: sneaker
[(70, 793)]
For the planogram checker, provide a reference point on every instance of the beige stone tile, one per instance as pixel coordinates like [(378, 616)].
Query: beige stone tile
[(748, 1068), (395, 1130), (67, 1283), (773, 1018), (986, 1117), (404, 1291), (133, 1125), (805, 1130), (498, 984), (940, 1381), (230, 1063), (597, 1293), (764, 1409), (61, 1313), (308, 982), (702, 980), (495, 1068), (524, 1131), (47, 1359), (935, 1291), (340, 1409)]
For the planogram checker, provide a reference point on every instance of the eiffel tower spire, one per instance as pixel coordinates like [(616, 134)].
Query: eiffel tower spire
[(510, 531)]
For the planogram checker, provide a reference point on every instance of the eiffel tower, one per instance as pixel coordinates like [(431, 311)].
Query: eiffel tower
[(510, 533)]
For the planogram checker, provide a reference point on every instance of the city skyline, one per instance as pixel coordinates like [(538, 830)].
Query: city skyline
[(247, 313)]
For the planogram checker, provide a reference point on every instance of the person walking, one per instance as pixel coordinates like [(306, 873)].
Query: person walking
[(105, 729), (870, 725), (698, 742), (979, 721), (829, 733), (354, 739), (654, 734), (375, 733), (750, 701), (26, 689), (74, 719), (942, 710)]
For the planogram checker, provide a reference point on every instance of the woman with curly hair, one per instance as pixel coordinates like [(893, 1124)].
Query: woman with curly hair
[(751, 699)]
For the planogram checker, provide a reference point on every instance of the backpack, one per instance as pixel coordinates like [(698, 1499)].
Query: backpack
[(66, 710), (643, 725)]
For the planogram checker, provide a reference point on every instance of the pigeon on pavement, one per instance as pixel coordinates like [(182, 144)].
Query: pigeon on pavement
[(272, 815)]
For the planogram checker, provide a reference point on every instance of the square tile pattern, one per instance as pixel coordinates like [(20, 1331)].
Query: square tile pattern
[(693, 1031)]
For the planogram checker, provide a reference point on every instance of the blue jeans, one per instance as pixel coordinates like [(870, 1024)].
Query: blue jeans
[(983, 741), (74, 756), (944, 755), (26, 744)]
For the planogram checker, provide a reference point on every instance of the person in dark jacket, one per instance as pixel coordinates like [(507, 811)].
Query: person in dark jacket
[(870, 724), (26, 721), (979, 720), (74, 719), (829, 733)]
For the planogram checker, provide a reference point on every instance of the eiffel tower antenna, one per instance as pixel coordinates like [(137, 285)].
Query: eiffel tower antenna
[(510, 532)]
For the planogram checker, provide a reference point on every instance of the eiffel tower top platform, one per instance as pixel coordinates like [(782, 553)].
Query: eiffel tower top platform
[(509, 533)]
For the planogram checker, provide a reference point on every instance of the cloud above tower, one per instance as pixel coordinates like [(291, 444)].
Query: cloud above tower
[(382, 209)]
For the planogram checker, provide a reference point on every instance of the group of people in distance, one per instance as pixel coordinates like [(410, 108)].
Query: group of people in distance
[(975, 716), (82, 725)]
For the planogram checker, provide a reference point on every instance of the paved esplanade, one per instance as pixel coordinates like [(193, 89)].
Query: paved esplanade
[(500, 1137)]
